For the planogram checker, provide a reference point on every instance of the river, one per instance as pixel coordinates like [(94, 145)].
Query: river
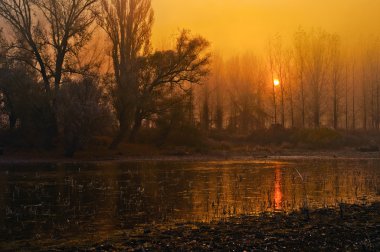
[(55, 202)]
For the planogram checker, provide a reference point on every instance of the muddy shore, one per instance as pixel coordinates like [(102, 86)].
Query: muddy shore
[(347, 227)]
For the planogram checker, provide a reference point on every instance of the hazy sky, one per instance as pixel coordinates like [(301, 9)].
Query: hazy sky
[(240, 25)]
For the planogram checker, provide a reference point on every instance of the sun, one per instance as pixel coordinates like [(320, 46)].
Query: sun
[(276, 82)]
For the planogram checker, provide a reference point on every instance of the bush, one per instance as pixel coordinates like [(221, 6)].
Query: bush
[(274, 135), (311, 138), (319, 138), (83, 114), (32, 120), (185, 136)]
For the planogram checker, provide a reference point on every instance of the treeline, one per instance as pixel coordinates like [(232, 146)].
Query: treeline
[(56, 85), (312, 81), (72, 71)]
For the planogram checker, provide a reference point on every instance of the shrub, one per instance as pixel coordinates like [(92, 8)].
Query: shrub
[(319, 138), (82, 113), (311, 138), (185, 136), (274, 135), (31, 117)]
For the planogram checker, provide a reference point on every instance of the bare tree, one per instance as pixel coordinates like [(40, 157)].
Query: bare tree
[(166, 71), (139, 73), (290, 83), (372, 68), (335, 77), (353, 69), (128, 24), (84, 114), (206, 111), (317, 73), (346, 96), (46, 36), (50, 31), (364, 93), (246, 88), (218, 84), (277, 68), (300, 50)]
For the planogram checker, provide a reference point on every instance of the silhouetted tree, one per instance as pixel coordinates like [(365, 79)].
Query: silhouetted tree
[(50, 31), (166, 71), (300, 50), (219, 86), (48, 35), (205, 113), (336, 76), (84, 115), (278, 68), (139, 73), (128, 24), (246, 87)]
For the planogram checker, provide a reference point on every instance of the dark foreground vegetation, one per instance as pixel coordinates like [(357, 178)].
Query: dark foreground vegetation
[(348, 227)]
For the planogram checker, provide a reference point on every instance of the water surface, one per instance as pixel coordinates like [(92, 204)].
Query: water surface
[(64, 201)]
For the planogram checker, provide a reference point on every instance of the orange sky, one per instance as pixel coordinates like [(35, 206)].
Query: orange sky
[(245, 25)]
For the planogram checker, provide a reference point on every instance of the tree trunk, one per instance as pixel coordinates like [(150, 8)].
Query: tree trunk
[(136, 127), (303, 102), (282, 104), (12, 121), (120, 136), (335, 102)]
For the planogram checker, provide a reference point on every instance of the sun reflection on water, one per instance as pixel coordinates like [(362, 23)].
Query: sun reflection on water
[(277, 188)]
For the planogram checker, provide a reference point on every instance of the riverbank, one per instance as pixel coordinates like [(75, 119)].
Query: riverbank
[(348, 227), (235, 155), (273, 143)]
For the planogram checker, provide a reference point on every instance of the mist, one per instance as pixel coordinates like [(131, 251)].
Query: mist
[(242, 25)]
